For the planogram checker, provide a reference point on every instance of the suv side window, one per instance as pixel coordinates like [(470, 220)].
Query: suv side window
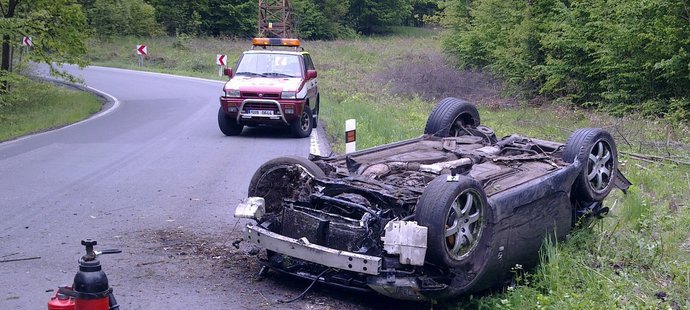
[(308, 63)]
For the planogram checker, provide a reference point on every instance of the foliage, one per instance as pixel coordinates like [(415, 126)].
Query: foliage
[(325, 19), (613, 54), (121, 17), (312, 19), (423, 12), (58, 30), (370, 16), (207, 17)]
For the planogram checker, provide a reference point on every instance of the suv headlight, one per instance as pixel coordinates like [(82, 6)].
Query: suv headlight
[(288, 95), (235, 93)]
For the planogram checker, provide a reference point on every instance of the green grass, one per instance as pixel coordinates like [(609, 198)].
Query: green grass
[(182, 55), (628, 260), (37, 106)]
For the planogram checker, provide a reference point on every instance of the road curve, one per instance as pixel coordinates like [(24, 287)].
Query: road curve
[(153, 169)]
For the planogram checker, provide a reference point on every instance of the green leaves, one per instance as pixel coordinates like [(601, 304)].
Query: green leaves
[(122, 17), (57, 27), (606, 52)]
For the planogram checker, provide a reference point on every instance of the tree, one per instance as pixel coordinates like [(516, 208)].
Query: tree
[(369, 16), (324, 19), (619, 55), (122, 17), (57, 27), (207, 17)]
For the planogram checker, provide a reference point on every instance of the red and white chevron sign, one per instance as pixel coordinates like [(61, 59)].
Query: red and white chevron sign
[(220, 59), (142, 50), (26, 41)]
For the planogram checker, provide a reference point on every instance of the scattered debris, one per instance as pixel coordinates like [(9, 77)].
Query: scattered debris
[(151, 263), (661, 295), (237, 242), (19, 259)]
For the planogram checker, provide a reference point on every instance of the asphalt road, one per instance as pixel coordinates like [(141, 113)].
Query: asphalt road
[(152, 176)]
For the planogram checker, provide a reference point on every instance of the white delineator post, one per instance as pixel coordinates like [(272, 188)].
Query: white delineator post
[(350, 136)]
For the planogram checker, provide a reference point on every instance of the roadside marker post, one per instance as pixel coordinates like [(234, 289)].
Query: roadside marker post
[(142, 51), (221, 62), (350, 136), (26, 41)]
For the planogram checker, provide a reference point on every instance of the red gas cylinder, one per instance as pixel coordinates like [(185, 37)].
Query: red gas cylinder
[(90, 289), (61, 302)]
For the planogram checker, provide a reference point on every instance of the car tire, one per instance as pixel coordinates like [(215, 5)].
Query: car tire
[(301, 128), (450, 116), (452, 211), (595, 149), (281, 178), (227, 124), (316, 112)]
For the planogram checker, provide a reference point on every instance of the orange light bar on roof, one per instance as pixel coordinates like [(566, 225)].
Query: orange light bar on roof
[(275, 42)]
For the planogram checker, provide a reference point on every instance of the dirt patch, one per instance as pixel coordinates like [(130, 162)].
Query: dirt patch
[(433, 77), (232, 266)]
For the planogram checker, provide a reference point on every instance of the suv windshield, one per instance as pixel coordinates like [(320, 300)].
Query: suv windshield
[(270, 65)]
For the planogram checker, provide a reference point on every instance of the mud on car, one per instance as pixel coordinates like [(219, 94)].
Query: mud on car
[(275, 84), (444, 214)]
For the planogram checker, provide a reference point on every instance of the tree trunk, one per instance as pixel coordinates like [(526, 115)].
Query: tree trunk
[(6, 54), (6, 60), (6, 47)]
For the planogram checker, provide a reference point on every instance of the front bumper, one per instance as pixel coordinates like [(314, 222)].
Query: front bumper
[(244, 110), (303, 249)]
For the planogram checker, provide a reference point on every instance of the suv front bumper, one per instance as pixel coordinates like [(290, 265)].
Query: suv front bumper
[(239, 109)]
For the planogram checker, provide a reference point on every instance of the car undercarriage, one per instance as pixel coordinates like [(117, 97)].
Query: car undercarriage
[(434, 217)]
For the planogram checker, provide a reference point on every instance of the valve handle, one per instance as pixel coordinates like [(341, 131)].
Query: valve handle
[(108, 251), (91, 254)]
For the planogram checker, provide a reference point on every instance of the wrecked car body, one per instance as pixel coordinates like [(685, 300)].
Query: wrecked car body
[(444, 214)]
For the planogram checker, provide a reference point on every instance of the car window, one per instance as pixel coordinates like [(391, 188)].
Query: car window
[(269, 65), (308, 63)]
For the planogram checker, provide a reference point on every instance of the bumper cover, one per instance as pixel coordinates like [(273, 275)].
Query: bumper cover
[(303, 249)]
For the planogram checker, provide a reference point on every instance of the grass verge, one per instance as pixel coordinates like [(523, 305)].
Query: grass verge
[(38, 106)]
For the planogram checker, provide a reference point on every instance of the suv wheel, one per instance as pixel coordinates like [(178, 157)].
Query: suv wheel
[(227, 124), (302, 127)]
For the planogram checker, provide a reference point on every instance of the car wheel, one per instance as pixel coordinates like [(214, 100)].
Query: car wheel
[(283, 177), (302, 127), (596, 150), (457, 215), (227, 124), (452, 117), (316, 113)]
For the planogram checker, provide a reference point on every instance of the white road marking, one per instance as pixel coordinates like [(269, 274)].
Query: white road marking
[(314, 143)]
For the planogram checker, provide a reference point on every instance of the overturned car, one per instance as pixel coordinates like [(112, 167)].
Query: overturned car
[(445, 214)]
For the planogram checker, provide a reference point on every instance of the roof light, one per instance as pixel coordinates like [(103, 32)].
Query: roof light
[(275, 42)]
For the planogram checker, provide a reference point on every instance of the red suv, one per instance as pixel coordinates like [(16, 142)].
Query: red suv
[(271, 86)]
